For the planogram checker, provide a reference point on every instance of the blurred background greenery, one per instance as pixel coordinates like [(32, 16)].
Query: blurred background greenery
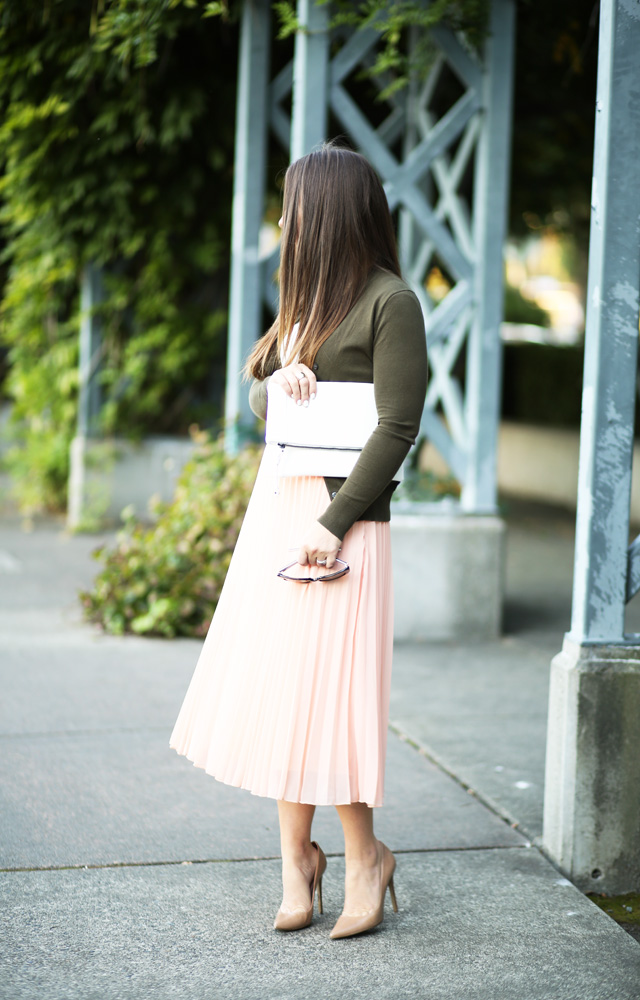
[(116, 148)]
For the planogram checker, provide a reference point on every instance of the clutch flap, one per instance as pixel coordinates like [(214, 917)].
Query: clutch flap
[(343, 415)]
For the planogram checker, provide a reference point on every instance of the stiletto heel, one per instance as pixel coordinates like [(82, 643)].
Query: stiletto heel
[(349, 924), (302, 918), (392, 893)]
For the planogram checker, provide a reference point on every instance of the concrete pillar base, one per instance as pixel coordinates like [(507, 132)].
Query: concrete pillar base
[(106, 476), (448, 575), (592, 787)]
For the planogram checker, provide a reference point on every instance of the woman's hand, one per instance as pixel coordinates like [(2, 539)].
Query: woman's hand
[(319, 547), (298, 381)]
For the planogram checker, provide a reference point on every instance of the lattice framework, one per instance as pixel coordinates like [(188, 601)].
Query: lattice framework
[(424, 160)]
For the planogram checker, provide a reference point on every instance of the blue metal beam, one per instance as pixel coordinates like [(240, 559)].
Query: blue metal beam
[(245, 298), (490, 219), (462, 61), (611, 344), (432, 427), (440, 137), (310, 71), (279, 119), (408, 195)]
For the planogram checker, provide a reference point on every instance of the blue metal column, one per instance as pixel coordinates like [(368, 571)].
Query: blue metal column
[(592, 798), (611, 344), (484, 354), (89, 395), (408, 233), (245, 297), (310, 75)]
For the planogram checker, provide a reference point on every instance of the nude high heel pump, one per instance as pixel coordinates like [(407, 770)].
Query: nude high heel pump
[(302, 918), (349, 924)]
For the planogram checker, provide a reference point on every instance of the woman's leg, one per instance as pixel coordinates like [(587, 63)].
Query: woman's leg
[(298, 856), (362, 853)]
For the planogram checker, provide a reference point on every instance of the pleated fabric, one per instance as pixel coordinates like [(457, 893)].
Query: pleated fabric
[(290, 695)]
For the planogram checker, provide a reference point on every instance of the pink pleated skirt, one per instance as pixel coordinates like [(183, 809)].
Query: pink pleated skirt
[(290, 695)]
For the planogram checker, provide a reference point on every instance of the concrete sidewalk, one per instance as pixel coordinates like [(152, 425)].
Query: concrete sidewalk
[(128, 873)]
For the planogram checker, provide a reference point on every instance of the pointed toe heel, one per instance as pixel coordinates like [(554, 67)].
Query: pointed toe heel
[(302, 918), (348, 925)]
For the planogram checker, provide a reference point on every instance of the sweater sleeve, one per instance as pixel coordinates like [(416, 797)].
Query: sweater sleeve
[(258, 397), (400, 384)]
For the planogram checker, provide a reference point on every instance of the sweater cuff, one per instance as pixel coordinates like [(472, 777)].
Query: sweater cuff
[(339, 516)]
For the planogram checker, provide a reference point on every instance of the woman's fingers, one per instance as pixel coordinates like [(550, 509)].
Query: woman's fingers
[(288, 383), (320, 547), (303, 557), (294, 387), (298, 381), (308, 383), (299, 377), (324, 559)]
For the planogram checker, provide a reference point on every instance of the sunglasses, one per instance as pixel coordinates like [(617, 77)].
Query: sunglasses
[(284, 573)]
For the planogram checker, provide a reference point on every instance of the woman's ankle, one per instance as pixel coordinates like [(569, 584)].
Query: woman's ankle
[(367, 853), (298, 853)]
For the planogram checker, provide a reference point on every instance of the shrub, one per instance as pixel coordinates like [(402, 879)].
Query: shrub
[(166, 579), (424, 486)]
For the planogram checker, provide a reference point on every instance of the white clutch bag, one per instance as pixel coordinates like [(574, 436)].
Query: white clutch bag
[(326, 437)]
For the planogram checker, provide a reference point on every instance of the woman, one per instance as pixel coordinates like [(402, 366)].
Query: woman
[(290, 697)]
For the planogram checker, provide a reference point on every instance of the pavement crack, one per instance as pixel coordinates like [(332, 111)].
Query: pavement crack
[(429, 754), (263, 857), (98, 731)]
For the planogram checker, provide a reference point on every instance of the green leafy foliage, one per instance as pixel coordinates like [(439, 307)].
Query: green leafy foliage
[(392, 20), (166, 579), (116, 148), (43, 377)]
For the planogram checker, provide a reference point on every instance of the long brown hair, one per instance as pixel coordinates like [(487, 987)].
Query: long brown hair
[(336, 228)]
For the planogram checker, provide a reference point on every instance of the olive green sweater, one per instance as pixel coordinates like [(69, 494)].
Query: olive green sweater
[(381, 340)]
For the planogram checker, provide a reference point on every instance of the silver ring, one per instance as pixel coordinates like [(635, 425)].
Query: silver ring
[(321, 562), (300, 375)]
